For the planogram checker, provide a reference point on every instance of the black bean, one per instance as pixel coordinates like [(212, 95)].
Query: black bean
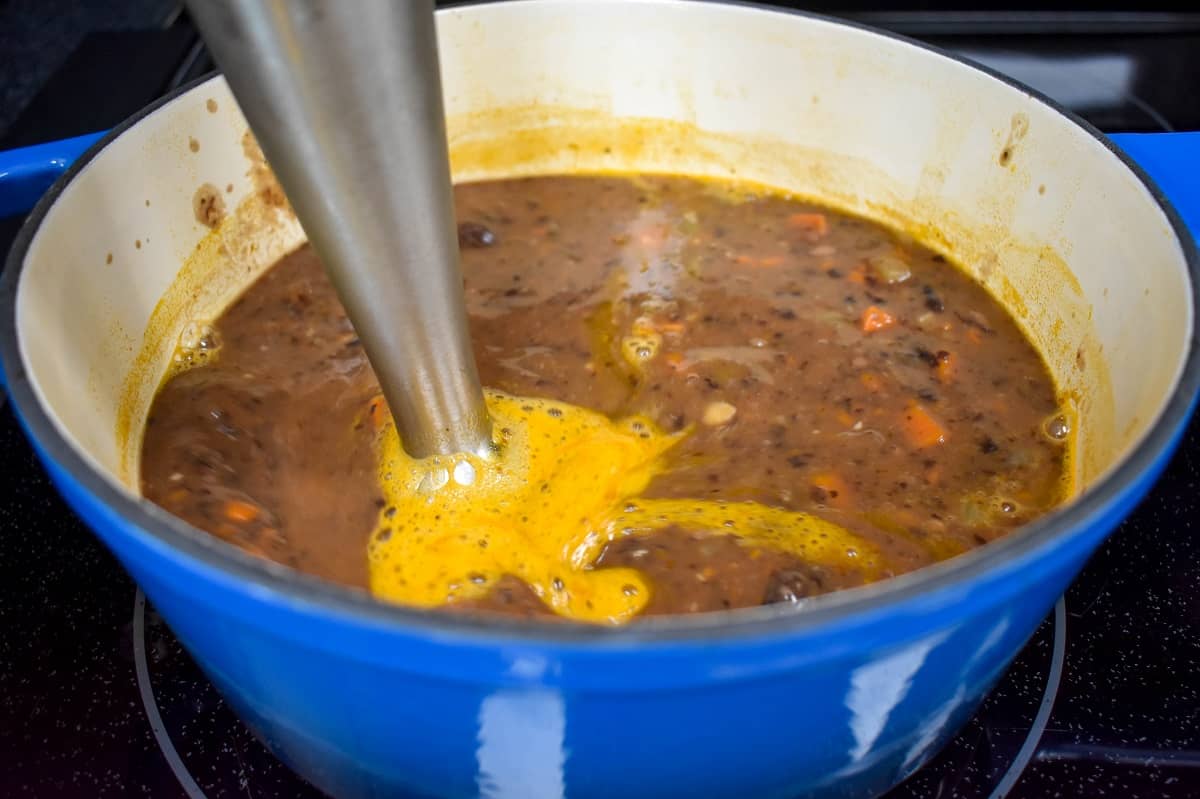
[(932, 301), (930, 359), (475, 235), (792, 585)]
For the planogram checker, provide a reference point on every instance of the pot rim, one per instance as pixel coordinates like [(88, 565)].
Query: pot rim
[(315, 595)]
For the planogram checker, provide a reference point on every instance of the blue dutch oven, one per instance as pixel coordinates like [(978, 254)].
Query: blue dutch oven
[(842, 696)]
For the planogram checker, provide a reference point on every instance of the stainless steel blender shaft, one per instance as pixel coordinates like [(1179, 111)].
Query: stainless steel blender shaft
[(345, 99)]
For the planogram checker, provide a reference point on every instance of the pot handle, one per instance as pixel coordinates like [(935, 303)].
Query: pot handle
[(1173, 161), (26, 173)]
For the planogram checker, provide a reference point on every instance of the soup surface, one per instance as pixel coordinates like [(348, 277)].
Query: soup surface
[(706, 396)]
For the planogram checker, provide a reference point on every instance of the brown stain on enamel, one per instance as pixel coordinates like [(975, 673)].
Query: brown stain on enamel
[(260, 174), (1017, 131), (208, 205)]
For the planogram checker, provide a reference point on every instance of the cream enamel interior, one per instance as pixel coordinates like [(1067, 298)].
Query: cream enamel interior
[(1042, 213)]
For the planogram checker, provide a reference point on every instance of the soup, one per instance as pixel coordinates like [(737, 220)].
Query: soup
[(707, 396)]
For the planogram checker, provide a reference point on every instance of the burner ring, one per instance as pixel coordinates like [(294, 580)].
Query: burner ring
[(1053, 679), (161, 736)]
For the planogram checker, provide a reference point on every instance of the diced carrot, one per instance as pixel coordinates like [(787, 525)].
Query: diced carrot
[(846, 419), (674, 360), (670, 327), (765, 261), (377, 412), (921, 429), (858, 275), (833, 488), (239, 511), (871, 382), (815, 223), (875, 318), (946, 367)]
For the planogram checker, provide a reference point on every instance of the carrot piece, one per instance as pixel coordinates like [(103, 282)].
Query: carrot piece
[(846, 419), (875, 318), (674, 360), (815, 223), (871, 382), (831, 489), (858, 275), (946, 368), (377, 412), (239, 511), (921, 429), (670, 327), (748, 260)]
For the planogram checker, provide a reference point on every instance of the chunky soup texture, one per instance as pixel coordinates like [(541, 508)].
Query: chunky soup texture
[(706, 395)]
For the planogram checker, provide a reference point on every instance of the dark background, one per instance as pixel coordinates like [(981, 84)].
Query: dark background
[(38, 38)]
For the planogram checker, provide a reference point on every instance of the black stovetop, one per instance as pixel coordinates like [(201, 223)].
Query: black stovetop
[(97, 699)]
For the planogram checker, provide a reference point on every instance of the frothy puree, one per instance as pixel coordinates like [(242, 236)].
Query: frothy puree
[(562, 482)]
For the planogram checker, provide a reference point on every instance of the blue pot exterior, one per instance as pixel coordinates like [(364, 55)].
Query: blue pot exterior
[(369, 709)]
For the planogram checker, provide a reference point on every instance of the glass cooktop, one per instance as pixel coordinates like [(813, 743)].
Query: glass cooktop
[(98, 699)]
